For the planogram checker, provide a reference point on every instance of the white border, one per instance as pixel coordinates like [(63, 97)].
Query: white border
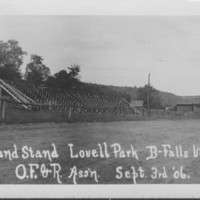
[(100, 7), (101, 191), (94, 7)]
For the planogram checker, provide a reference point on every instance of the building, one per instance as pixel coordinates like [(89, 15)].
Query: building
[(137, 103), (190, 107)]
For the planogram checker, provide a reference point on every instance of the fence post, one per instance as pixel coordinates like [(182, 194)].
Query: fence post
[(70, 112), (0, 96), (50, 106), (4, 109)]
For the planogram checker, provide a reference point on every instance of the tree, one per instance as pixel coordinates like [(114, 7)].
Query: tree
[(11, 59), (74, 71), (51, 82), (154, 97), (36, 71), (64, 79), (62, 75)]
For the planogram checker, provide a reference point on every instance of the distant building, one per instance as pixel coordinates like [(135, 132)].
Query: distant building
[(137, 103), (184, 107)]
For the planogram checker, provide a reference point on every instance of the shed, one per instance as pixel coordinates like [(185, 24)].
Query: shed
[(184, 107)]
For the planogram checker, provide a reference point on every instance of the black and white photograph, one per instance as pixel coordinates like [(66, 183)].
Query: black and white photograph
[(100, 96)]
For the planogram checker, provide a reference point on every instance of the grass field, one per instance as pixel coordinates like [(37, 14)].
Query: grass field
[(139, 134)]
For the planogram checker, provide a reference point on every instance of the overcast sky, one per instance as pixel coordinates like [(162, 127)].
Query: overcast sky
[(116, 50)]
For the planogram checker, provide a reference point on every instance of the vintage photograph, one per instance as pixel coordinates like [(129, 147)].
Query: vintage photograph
[(101, 99)]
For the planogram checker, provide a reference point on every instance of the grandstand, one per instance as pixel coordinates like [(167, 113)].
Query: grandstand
[(15, 94), (32, 97)]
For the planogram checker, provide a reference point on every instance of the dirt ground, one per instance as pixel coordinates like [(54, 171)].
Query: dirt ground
[(174, 161)]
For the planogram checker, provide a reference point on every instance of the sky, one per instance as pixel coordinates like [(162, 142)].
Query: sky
[(120, 48)]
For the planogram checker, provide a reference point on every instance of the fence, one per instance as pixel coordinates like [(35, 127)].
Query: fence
[(9, 109)]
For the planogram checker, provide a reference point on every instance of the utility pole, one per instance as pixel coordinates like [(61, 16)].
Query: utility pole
[(148, 87)]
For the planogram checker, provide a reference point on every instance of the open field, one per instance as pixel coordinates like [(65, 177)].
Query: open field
[(87, 136)]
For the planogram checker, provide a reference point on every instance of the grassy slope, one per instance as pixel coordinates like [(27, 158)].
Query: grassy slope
[(167, 98)]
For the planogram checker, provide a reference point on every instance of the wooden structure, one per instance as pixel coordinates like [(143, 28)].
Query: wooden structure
[(137, 103), (43, 98), (183, 107)]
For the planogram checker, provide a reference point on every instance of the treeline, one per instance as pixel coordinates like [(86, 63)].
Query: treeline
[(140, 93), (37, 73)]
